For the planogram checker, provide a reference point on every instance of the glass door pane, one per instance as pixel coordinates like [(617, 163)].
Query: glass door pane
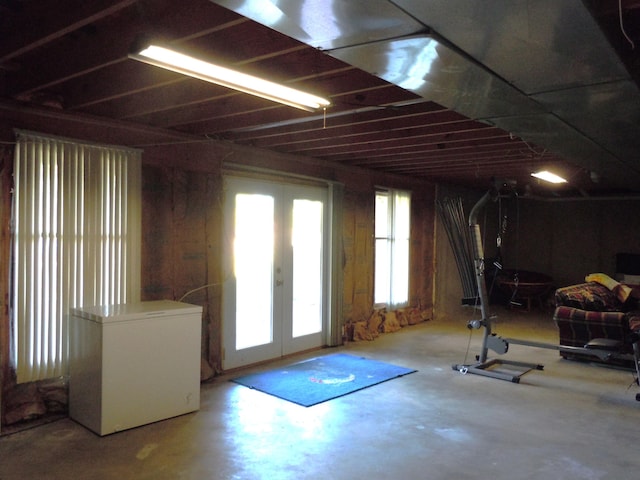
[(307, 242), (253, 267), (250, 315), (274, 279), (381, 275)]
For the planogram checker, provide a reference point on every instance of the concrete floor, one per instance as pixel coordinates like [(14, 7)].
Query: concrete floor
[(571, 420)]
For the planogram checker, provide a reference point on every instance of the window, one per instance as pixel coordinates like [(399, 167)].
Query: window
[(392, 223), (75, 242)]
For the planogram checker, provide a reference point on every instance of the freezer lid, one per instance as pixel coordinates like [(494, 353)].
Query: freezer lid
[(135, 311)]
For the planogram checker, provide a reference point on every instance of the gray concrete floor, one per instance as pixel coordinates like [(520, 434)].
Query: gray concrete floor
[(571, 420)]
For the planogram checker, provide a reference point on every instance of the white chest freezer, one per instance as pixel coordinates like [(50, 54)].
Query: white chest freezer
[(133, 364)]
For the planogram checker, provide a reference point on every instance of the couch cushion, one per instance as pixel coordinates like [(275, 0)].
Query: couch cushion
[(577, 327)]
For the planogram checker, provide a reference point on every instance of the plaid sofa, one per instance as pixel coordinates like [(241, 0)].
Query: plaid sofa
[(590, 310)]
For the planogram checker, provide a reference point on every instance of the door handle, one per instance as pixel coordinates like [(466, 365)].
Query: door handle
[(279, 283)]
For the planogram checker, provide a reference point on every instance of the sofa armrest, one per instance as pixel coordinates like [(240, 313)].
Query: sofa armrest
[(634, 321)]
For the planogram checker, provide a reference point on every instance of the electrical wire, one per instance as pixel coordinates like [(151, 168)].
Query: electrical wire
[(466, 354), (199, 288), (516, 280), (633, 45), (474, 311)]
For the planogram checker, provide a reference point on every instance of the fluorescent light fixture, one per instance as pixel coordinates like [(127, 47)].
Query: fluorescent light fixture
[(548, 177), (209, 72)]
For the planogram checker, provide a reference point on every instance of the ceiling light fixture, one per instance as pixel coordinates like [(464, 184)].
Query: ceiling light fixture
[(209, 72), (548, 177)]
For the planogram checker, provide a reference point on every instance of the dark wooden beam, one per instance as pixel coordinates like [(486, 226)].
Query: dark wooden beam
[(45, 21), (110, 40)]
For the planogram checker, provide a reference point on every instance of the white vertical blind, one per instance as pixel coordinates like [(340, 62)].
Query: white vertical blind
[(76, 242)]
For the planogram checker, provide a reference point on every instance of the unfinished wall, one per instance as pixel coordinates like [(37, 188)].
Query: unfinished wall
[(182, 198), (422, 253), (358, 255), (182, 221), (6, 160), (568, 239), (182, 195), (563, 238)]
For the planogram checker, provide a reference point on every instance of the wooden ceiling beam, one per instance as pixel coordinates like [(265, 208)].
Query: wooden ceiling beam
[(207, 115), (467, 161), (500, 148), (336, 119), (175, 99), (426, 133), (52, 19), (364, 148), (366, 127), (109, 41), (224, 124), (98, 87), (481, 162)]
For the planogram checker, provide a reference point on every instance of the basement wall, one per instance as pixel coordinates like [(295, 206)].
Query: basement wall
[(566, 239), (182, 196), (182, 221), (569, 239)]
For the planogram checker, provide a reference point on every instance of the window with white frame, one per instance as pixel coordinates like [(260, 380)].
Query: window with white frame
[(75, 242), (392, 227)]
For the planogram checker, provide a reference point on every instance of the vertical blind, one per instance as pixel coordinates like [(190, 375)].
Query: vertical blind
[(75, 242)]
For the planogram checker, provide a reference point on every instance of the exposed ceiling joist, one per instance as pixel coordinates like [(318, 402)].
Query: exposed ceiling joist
[(492, 89)]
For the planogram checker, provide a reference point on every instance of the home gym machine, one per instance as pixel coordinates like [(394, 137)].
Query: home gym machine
[(602, 349)]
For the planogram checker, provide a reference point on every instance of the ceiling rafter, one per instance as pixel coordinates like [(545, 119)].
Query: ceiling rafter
[(74, 59), (47, 23)]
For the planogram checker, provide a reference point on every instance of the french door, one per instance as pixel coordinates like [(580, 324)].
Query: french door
[(274, 300)]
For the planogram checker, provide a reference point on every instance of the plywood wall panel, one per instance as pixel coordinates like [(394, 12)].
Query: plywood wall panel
[(358, 254)]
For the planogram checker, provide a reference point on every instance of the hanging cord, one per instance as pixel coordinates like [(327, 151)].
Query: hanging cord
[(199, 288), (497, 263), (633, 45), (466, 353), (484, 242), (517, 231), (516, 280)]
